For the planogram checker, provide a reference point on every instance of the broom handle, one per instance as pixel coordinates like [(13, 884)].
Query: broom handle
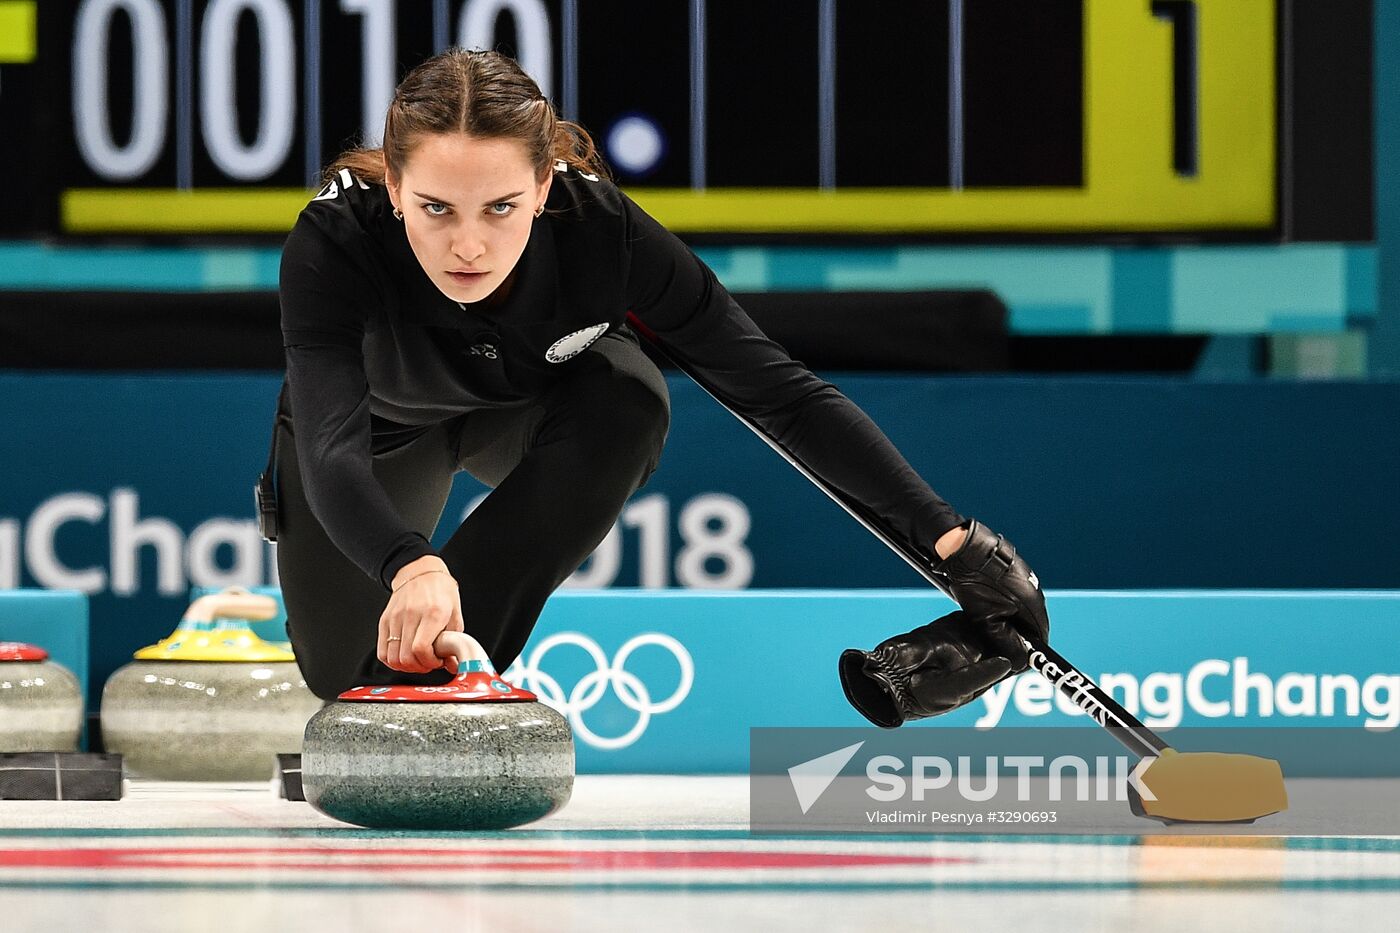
[(1093, 699), (1068, 679)]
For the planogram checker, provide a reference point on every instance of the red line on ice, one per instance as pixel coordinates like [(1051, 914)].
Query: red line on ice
[(488, 859)]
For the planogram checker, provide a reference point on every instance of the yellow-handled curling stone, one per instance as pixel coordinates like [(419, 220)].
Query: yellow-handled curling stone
[(476, 753), (211, 702), (41, 707)]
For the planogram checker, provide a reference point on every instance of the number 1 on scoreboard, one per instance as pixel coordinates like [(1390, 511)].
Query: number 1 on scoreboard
[(1182, 16)]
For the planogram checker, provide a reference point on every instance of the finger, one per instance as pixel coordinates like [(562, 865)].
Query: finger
[(393, 642), (455, 624), (402, 648), (385, 630), (1034, 620), (424, 657), (381, 641), (968, 683), (951, 689), (953, 655), (435, 622), (1001, 637)]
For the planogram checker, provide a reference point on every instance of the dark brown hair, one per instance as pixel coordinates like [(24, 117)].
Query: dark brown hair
[(479, 93)]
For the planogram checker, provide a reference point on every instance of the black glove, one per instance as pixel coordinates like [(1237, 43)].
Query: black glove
[(995, 587), (953, 660), (931, 670)]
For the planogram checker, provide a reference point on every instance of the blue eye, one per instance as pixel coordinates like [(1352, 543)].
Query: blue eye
[(435, 209), (508, 205)]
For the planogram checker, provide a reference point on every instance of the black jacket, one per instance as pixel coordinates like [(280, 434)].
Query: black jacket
[(368, 334)]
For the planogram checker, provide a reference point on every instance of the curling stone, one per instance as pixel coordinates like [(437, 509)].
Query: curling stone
[(474, 754), (212, 702), (41, 707)]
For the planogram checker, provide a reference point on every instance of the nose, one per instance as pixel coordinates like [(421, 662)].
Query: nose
[(468, 245)]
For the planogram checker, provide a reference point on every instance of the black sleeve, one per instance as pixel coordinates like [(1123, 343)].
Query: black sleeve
[(678, 298), (323, 318)]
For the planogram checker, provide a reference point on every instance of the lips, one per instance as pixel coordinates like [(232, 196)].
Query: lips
[(465, 278)]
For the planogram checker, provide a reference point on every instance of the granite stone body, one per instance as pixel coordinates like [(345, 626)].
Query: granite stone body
[(205, 720), (462, 766), (41, 707)]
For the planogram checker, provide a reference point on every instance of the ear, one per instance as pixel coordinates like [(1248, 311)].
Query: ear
[(392, 184), (542, 192)]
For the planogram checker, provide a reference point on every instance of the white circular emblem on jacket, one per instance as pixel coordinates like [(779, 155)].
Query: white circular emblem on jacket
[(571, 345)]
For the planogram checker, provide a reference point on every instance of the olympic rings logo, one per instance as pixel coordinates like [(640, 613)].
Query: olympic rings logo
[(590, 689)]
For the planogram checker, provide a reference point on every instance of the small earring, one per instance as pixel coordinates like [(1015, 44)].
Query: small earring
[(539, 210), (398, 214)]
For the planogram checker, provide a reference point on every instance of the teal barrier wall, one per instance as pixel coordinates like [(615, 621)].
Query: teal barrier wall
[(671, 682), (132, 489)]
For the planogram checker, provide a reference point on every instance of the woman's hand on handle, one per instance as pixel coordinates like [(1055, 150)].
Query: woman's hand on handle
[(425, 603)]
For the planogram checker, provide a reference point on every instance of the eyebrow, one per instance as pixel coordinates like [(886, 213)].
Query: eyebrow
[(435, 200)]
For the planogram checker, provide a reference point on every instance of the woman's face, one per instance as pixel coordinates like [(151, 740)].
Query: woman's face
[(468, 205)]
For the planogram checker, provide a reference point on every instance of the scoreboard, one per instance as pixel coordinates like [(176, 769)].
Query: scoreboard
[(152, 117)]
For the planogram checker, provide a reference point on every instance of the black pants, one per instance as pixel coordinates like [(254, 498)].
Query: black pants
[(561, 469)]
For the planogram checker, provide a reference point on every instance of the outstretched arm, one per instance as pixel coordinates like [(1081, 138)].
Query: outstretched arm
[(322, 295), (938, 667), (679, 304)]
